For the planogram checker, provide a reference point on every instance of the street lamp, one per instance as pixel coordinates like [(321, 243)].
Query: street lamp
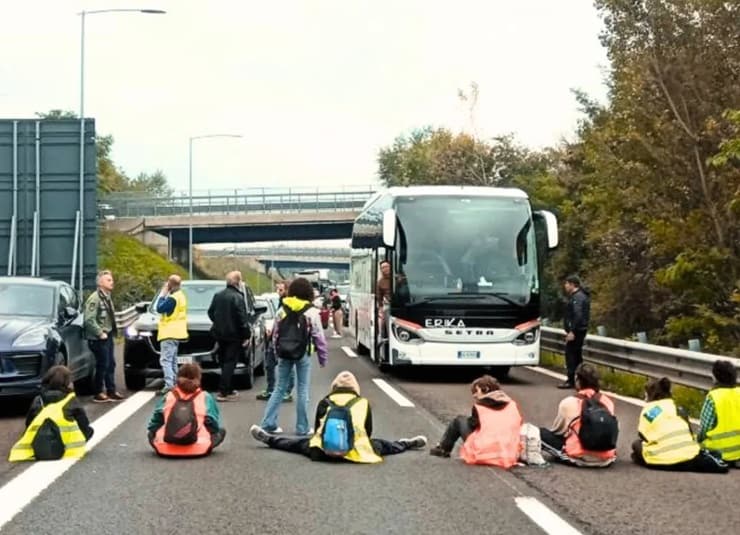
[(82, 15), (190, 188)]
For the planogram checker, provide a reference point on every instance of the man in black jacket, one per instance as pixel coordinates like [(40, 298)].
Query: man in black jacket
[(577, 315), (228, 312)]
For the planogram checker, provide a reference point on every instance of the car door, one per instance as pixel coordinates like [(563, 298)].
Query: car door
[(79, 357), (257, 330)]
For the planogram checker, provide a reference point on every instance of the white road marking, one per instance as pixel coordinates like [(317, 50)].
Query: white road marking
[(17, 493), (349, 352), (392, 393), (626, 399), (548, 521)]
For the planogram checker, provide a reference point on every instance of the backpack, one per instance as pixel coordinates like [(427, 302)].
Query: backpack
[(182, 424), (48, 444), (294, 333), (599, 428), (338, 435)]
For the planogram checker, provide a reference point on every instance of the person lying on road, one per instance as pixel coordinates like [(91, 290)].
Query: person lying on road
[(666, 442), (56, 424), (344, 427), (187, 420)]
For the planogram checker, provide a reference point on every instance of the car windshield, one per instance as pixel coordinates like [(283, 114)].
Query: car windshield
[(482, 245), (199, 296), (26, 300), (263, 303)]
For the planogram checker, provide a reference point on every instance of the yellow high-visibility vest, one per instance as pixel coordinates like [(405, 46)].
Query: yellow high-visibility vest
[(362, 450), (669, 439), (725, 437), (175, 326), (74, 440)]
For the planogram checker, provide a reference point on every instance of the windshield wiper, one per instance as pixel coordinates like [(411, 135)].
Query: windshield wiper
[(503, 296)]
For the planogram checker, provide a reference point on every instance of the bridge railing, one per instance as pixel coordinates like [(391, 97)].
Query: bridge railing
[(681, 366), (238, 202)]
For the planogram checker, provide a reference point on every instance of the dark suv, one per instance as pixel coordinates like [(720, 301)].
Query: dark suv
[(40, 326), (141, 348)]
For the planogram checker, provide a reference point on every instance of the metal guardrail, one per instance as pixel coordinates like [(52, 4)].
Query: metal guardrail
[(681, 366), (126, 317)]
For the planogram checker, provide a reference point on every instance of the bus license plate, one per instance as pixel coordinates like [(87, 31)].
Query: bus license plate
[(185, 360), (468, 354)]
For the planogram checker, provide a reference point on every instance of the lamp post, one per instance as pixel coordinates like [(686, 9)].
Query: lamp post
[(190, 192), (82, 15)]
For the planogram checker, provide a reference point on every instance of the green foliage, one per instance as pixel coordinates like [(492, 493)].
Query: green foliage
[(139, 270), (217, 268)]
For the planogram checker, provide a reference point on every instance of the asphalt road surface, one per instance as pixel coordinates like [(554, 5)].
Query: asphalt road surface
[(121, 486)]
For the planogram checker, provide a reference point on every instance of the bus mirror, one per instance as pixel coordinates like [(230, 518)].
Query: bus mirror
[(551, 224), (389, 228)]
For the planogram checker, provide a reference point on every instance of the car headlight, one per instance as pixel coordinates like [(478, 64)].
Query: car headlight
[(134, 333), (35, 337)]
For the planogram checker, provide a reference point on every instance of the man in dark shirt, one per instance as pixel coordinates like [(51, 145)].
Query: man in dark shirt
[(577, 316)]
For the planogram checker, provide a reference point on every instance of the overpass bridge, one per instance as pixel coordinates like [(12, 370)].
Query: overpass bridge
[(283, 258)]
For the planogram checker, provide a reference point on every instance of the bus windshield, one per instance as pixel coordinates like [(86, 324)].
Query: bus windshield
[(450, 245)]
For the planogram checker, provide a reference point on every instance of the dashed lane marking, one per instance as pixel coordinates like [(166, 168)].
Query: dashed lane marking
[(392, 393), (349, 352), (17, 493), (541, 515)]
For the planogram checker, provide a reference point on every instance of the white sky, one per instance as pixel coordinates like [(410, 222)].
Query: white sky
[(316, 87)]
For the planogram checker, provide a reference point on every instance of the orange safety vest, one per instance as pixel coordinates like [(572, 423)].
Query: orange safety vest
[(573, 447), (202, 446), (496, 442)]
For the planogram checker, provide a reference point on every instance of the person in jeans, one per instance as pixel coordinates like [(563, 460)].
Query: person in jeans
[(577, 316), (99, 322), (228, 312), (271, 358), (300, 296), (345, 391), (172, 304)]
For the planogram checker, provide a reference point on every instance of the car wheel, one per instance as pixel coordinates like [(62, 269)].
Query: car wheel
[(134, 381)]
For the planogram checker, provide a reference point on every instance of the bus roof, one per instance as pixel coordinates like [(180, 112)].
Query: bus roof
[(468, 191)]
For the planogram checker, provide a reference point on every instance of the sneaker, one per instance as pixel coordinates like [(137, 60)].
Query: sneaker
[(566, 386), (288, 398), (437, 451), (115, 396), (259, 434), (415, 443), (229, 397), (309, 433), (335, 335), (264, 395), (275, 431), (102, 398)]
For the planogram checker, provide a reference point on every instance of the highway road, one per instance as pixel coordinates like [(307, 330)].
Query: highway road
[(122, 487)]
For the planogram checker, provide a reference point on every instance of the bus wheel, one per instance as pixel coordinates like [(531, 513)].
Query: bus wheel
[(359, 348), (381, 357), (500, 372)]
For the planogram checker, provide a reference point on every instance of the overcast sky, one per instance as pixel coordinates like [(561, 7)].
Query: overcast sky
[(316, 87)]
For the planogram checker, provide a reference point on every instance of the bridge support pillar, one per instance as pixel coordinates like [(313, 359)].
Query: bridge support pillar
[(179, 253)]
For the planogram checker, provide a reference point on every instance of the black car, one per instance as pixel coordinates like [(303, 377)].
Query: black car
[(40, 326), (141, 348)]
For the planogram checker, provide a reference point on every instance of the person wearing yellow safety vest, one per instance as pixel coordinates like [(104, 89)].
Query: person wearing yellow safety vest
[(172, 305), (68, 429), (719, 430), (345, 393), (666, 442)]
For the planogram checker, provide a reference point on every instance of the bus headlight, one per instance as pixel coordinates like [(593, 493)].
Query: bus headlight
[(406, 331), (527, 337)]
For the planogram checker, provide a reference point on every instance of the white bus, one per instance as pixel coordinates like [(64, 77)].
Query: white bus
[(465, 277)]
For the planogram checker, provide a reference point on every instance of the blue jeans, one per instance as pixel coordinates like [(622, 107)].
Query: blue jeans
[(270, 365), (105, 365), (303, 375), (168, 361)]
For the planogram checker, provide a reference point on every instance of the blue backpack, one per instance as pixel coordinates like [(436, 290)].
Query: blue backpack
[(338, 435)]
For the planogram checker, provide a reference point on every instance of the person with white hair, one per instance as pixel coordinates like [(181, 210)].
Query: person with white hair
[(344, 427)]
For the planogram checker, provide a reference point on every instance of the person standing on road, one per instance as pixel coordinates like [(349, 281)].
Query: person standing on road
[(296, 334), (666, 442), (100, 331), (56, 403), (338, 313), (344, 427), (231, 329), (271, 358), (577, 316), (172, 304), (281, 290), (719, 430)]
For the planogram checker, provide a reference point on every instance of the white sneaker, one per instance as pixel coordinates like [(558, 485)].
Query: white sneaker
[(414, 443)]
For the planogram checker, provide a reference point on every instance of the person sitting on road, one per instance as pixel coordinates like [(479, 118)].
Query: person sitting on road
[(666, 442), (56, 424), (719, 430), (585, 429), (187, 420), (491, 434), (344, 427)]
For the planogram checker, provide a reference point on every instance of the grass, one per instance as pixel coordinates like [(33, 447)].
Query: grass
[(630, 384)]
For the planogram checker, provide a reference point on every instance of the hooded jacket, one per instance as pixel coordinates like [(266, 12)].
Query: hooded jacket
[(314, 320), (495, 400)]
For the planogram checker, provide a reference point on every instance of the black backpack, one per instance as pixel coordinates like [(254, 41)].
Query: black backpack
[(599, 428), (294, 334), (182, 424), (48, 444), (338, 434)]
